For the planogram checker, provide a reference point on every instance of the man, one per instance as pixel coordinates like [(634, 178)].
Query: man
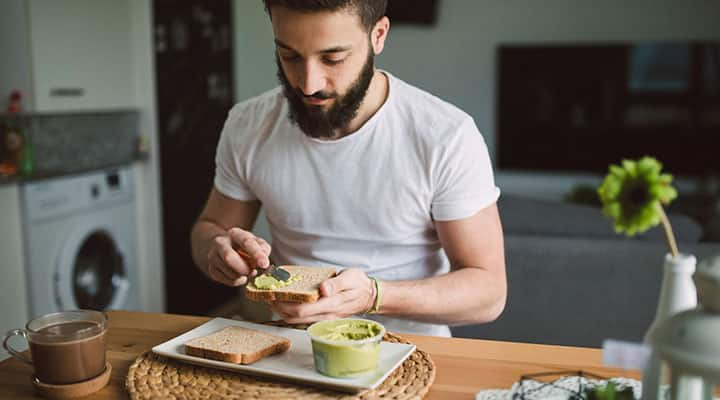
[(356, 169)]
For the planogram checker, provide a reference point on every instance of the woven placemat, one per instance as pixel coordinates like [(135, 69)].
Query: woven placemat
[(156, 377)]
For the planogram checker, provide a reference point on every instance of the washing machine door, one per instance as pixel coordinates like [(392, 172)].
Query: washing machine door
[(91, 271)]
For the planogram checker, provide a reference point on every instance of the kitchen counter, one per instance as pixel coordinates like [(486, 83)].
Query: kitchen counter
[(19, 179), (464, 366), (68, 143)]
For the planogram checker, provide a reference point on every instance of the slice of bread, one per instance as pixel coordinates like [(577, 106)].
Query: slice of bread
[(237, 345), (303, 290)]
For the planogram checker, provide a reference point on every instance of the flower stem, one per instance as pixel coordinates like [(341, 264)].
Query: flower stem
[(669, 235)]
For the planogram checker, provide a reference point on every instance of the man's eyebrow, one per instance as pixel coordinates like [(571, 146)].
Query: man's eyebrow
[(336, 49)]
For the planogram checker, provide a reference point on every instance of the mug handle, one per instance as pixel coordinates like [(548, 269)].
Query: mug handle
[(13, 352)]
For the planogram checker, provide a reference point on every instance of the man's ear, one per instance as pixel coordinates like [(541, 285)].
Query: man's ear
[(379, 34)]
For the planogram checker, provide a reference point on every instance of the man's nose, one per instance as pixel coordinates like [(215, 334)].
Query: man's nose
[(313, 79)]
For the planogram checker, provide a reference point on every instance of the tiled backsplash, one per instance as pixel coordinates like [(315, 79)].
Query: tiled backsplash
[(66, 143)]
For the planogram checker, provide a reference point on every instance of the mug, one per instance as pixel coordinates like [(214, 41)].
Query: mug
[(65, 347)]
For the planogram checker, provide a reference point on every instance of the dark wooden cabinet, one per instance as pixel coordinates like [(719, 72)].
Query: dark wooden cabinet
[(194, 94)]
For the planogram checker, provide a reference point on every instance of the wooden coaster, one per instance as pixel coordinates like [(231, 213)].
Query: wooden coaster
[(152, 377), (73, 390)]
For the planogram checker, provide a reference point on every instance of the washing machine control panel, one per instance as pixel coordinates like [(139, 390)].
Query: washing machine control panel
[(62, 195)]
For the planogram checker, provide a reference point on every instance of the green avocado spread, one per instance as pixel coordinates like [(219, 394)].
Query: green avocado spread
[(267, 282), (346, 330), (338, 349)]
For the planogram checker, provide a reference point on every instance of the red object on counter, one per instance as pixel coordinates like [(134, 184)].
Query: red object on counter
[(15, 103)]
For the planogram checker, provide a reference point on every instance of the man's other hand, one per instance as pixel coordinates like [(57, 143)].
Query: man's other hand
[(349, 293)]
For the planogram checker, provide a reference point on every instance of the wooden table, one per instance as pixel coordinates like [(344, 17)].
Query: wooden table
[(464, 366)]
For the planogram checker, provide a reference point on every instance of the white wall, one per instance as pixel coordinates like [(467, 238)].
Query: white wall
[(15, 64), (253, 57), (254, 64), (14, 311), (15, 73), (455, 59), (147, 173)]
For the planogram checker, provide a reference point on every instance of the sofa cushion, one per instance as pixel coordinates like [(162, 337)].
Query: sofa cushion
[(577, 292), (528, 216)]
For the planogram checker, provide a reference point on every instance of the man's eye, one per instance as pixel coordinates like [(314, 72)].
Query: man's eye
[(291, 58), (331, 61)]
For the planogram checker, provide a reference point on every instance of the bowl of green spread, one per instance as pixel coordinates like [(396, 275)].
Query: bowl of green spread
[(346, 347)]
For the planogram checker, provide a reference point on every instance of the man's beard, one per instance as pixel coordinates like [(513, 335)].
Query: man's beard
[(313, 120)]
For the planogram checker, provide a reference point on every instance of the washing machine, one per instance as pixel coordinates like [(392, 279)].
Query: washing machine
[(81, 242)]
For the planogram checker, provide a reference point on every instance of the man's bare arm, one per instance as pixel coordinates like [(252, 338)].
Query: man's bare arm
[(224, 222), (474, 292)]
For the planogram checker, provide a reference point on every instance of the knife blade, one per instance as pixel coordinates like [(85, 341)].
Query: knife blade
[(273, 270)]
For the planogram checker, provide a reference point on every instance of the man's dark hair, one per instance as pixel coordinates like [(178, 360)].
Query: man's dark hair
[(370, 11)]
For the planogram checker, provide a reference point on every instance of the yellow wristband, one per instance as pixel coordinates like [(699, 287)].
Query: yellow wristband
[(378, 297), (373, 288)]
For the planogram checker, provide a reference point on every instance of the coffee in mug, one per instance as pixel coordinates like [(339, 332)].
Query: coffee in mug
[(65, 347)]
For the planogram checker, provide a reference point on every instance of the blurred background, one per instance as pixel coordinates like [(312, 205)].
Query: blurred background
[(111, 111)]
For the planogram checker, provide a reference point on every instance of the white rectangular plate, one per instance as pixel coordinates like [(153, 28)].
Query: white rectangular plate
[(295, 364)]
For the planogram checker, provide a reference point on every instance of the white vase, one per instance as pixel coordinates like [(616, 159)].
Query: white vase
[(677, 293)]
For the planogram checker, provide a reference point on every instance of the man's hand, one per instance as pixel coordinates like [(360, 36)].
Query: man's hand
[(226, 266), (349, 293)]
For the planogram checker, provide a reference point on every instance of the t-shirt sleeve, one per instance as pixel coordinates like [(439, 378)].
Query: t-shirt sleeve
[(462, 175), (230, 164)]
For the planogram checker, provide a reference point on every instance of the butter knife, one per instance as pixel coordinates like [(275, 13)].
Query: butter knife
[(273, 270)]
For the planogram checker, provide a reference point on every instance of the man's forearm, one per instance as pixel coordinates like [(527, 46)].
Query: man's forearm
[(201, 238), (468, 295)]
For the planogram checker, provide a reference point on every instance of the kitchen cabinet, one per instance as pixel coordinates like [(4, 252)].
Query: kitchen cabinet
[(68, 55), (193, 46), (13, 296)]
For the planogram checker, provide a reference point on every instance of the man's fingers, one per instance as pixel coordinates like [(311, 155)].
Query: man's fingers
[(264, 245), (227, 274), (226, 255), (327, 288), (250, 244), (292, 318), (347, 279), (325, 305), (307, 320), (231, 257), (283, 308), (232, 264), (227, 266), (218, 274), (227, 271)]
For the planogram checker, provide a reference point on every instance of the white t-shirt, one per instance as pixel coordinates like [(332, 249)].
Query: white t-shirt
[(367, 200)]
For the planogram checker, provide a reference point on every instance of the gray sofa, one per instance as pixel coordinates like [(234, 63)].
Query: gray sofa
[(573, 281)]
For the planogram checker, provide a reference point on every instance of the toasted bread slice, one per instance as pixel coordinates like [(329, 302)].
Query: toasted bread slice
[(237, 345), (303, 290)]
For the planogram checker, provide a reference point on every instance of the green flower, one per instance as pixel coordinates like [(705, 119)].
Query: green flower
[(633, 195), (609, 391)]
